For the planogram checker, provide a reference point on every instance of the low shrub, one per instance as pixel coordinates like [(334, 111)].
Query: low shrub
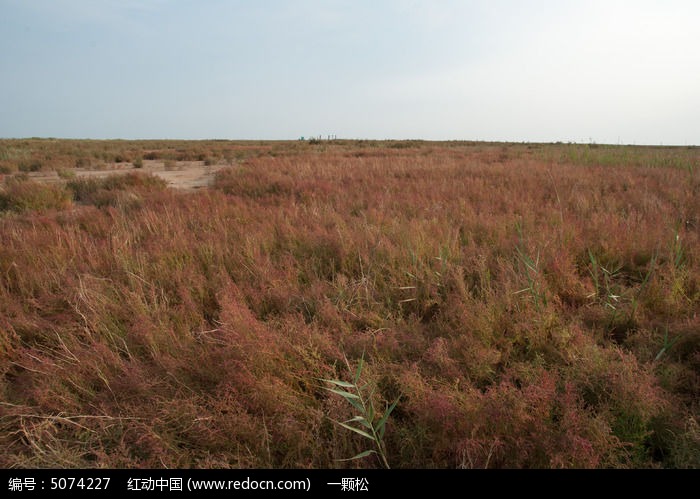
[(20, 195), (106, 191)]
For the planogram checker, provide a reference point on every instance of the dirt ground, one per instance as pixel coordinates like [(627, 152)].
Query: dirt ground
[(186, 175)]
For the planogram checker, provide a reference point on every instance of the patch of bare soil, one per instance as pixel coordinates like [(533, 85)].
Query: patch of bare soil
[(186, 175)]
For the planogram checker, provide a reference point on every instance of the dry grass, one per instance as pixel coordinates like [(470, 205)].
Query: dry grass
[(532, 308)]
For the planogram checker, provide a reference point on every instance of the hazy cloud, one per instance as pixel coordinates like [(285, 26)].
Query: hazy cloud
[(499, 69)]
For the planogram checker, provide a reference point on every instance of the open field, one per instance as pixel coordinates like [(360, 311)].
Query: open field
[(528, 305)]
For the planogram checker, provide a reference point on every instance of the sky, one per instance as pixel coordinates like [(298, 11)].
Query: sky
[(607, 71)]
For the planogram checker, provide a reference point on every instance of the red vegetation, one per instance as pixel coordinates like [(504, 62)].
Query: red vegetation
[(534, 306)]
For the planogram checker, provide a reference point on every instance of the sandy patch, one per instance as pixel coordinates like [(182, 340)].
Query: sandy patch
[(186, 175)]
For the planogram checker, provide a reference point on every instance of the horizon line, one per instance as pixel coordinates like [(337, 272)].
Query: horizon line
[(335, 138)]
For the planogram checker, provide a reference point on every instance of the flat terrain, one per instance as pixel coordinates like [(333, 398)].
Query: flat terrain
[(514, 305), (185, 175)]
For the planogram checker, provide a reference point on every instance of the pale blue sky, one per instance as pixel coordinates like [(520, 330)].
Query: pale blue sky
[(609, 71)]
